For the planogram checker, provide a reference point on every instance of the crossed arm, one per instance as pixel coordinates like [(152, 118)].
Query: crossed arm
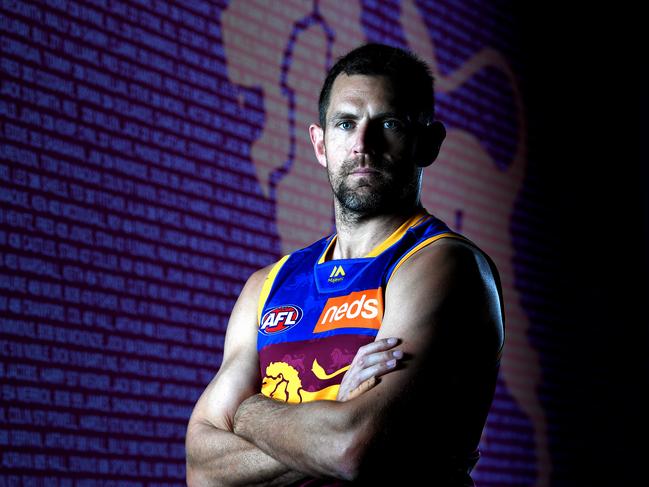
[(236, 436)]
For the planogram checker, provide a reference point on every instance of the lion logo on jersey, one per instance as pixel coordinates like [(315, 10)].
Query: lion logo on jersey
[(282, 382)]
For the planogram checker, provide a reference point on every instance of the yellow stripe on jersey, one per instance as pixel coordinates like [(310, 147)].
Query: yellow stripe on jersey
[(268, 284), (423, 244), (328, 249), (413, 221)]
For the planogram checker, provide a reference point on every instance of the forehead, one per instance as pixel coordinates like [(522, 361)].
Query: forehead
[(358, 92)]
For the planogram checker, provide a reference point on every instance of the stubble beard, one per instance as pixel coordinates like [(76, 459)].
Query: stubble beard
[(385, 192)]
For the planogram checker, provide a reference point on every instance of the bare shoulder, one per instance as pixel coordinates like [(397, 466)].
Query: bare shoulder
[(452, 286), (243, 321), (449, 261), (256, 280), (248, 299)]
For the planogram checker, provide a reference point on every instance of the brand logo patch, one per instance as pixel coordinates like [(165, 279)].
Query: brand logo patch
[(360, 309), (280, 319), (337, 271), (337, 274)]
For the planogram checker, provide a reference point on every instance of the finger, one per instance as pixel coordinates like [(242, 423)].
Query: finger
[(375, 358), (375, 347), (362, 387), (376, 370), (378, 346)]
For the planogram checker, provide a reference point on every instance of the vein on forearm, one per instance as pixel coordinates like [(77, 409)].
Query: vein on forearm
[(308, 437), (222, 457)]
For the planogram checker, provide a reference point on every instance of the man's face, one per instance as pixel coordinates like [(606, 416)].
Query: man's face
[(367, 146)]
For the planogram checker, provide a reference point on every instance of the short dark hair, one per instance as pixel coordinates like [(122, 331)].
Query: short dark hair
[(410, 76)]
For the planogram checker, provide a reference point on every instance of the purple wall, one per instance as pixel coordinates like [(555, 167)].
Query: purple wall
[(153, 156)]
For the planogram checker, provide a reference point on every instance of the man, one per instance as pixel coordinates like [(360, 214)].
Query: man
[(342, 356)]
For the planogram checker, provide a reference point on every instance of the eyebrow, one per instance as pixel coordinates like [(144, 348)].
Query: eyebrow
[(353, 116), (343, 115)]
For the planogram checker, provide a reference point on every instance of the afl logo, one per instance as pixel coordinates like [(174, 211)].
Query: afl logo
[(280, 319)]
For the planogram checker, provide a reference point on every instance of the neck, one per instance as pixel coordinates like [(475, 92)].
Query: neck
[(357, 235)]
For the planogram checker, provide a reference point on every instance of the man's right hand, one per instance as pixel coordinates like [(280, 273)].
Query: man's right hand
[(371, 362)]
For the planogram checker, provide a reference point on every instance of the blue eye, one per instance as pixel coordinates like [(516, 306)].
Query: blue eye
[(345, 125), (392, 124)]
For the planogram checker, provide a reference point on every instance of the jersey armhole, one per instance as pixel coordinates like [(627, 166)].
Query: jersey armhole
[(418, 247), (268, 284), (492, 266)]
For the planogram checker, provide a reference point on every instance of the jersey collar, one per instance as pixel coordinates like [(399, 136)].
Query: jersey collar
[(417, 219)]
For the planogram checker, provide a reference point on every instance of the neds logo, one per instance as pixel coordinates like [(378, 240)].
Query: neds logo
[(360, 309), (280, 319)]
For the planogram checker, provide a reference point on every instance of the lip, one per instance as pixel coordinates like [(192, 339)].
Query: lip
[(363, 171)]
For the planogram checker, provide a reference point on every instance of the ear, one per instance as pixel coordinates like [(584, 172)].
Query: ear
[(429, 143), (317, 139)]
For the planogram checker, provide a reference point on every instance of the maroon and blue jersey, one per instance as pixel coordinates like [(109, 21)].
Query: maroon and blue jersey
[(314, 313)]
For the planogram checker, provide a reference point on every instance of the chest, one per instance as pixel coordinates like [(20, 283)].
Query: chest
[(313, 322)]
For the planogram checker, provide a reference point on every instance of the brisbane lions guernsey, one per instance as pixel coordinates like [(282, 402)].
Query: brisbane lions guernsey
[(315, 314)]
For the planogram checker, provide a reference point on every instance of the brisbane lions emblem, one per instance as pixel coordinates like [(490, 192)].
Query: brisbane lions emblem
[(280, 319)]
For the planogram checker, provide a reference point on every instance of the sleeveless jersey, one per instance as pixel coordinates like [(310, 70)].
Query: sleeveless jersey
[(315, 314)]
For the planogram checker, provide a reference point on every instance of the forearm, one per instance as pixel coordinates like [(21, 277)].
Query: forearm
[(219, 457), (310, 437)]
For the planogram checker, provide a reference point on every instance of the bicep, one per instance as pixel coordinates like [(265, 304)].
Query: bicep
[(238, 377), (445, 301), (443, 307)]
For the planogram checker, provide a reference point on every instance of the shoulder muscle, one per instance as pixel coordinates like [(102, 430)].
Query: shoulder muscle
[(448, 288)]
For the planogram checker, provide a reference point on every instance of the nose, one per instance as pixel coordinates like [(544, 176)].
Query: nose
[(363, 141)]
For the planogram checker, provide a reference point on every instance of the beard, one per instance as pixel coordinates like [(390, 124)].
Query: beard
[(393, 185)]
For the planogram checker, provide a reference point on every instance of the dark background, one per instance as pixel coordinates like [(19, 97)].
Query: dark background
[(586, 91), (579, 232)]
